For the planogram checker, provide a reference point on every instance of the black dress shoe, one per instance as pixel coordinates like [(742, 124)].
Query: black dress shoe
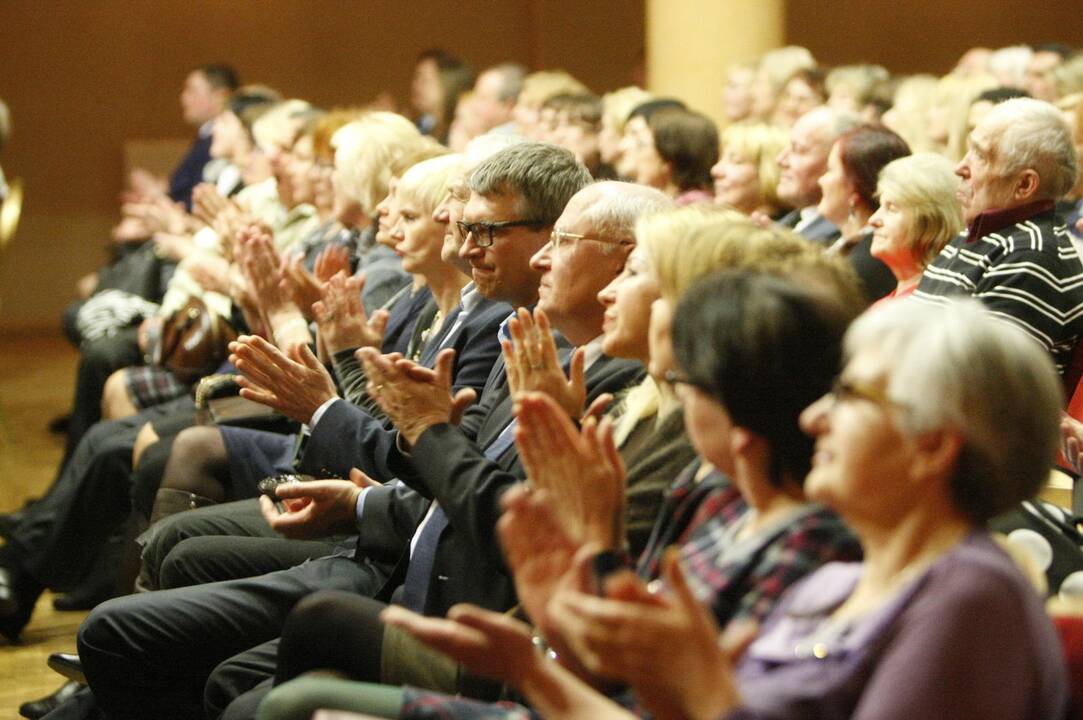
[(42, 707), (18, 595), (67, 664)]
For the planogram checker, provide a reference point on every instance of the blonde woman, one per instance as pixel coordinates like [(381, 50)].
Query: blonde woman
[(746, 176), (918, 214)]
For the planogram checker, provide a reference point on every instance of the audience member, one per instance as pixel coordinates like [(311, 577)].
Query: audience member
[(1013, 258), (674, 151), (802, 163), (849, 198), (918, 215), (746, 176), (804, 91)]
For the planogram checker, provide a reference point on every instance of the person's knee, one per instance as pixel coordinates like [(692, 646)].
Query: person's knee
[(116, 398), (101, 636), (198, 456), (146, 437), (181, 566)]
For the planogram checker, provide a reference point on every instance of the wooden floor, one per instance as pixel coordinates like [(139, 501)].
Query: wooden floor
[(36, 382)]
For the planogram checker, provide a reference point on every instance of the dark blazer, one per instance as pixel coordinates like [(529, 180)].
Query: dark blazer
[(876, 278), (820, 230), (347, 436), (189, 172), (448, 463)]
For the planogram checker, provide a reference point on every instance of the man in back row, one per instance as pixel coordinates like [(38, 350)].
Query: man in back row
[(1016, 256)]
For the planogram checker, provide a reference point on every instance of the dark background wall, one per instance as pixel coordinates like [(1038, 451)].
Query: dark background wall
[(82, 77), (925, 35)]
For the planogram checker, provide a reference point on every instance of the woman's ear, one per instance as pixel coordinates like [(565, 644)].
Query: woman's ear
[(937, 453)]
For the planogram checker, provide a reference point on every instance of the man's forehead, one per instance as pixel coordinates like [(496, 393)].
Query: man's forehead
[(489, 207)]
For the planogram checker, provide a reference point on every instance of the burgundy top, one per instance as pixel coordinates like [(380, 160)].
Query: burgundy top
[(969, 638)]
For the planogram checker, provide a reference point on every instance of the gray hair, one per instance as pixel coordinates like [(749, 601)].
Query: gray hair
[(1032, 135), (544, 177), (617, 206), (487, 145), (986, 379)]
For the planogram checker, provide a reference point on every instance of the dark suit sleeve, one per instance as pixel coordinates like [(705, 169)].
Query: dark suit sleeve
[(477, 347), (346, 437), (390, 516), (451, 468)]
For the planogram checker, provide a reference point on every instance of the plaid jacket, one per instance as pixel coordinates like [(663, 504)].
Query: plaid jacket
[(697, 516)]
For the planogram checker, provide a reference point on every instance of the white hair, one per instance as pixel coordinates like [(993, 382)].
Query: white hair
[(617, 206), (1032, 134), (984, 378), (1010, 63)]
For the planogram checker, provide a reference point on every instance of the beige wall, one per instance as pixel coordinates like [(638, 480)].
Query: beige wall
[(690, 44), (83, 76)]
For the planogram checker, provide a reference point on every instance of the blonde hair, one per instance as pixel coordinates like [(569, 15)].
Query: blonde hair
[(924, 186), (689, 243), (958, 93), (427, 181), (761, 143), (369, 151), (540, 86), (279, 126), (908, 112), (864, 81), (1068, 77), (619, 104), (780, 64)]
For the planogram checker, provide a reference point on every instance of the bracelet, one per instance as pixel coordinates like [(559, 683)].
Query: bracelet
[(542, 647)]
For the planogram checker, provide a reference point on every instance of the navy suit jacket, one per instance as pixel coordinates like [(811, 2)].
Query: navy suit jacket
[(347, 436), (189, 172)]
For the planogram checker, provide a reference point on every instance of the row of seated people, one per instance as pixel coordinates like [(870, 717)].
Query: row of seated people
[(522, 298)]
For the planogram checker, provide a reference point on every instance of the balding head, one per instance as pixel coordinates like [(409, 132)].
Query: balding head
[(805, 159), (591, 240)]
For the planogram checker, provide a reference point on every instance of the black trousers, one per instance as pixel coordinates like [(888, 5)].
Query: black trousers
[(180, 653), (98, 360), (89, 502), (222, 542)]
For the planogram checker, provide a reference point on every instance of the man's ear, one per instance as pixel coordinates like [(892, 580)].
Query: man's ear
[(1027, 185)]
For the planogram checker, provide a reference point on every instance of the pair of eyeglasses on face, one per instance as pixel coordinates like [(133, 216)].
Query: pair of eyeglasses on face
[(484, 232), (843, 390), (558, 238)]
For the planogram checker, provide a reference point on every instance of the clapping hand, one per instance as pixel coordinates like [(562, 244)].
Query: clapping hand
[(340, 315), (581, 469), (667, 646), (533, 364), (414, 397), (295, 385)]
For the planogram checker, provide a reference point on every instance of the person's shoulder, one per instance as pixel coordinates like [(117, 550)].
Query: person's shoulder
[(978, 574)]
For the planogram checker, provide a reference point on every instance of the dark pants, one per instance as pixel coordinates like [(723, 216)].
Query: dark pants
[(152, 654), (222, 542), (98, 360)]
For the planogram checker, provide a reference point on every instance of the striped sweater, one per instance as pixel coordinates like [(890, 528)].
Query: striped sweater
[(1024, 269)]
